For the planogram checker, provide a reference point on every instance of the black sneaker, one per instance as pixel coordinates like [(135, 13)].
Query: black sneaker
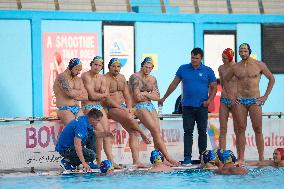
[(93, 166), (67, 165)]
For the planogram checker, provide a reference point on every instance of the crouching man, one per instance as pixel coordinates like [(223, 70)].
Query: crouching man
[(77, 141)]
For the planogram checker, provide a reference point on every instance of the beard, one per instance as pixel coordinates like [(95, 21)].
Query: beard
[(73, 75)]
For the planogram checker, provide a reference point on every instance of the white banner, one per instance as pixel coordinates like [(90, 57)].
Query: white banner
[(273, 134), (119, 43), (32, 145)]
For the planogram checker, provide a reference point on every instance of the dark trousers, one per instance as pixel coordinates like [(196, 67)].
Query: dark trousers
[(88, 150), (191, 115)]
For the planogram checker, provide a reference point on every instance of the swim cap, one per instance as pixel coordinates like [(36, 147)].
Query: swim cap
[(73, 62), (113, 60), (281, 150), (209, 156), (106, 166), (99, 58), (229, 53), (218, 152), (227, 156), (156, 157), (245, 46), (147, 60)]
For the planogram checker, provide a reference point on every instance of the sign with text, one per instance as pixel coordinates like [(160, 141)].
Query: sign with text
[(33, 144), (119, 43), (58, 49)]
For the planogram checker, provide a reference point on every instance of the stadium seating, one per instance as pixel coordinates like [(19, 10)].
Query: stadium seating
[(273, 6), (151, 6), (213, 7), (38, 5), (245, 7)]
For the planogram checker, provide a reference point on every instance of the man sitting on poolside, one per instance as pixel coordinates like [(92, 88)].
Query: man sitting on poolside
[(228, 159), (69, 90)]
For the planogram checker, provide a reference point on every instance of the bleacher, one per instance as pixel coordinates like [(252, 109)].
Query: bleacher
[(185, 6), (245, 7), (37, 5), (214, 7), (273, 6), (151, 6)]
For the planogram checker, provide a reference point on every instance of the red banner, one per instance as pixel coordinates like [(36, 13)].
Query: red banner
[(58, 49)]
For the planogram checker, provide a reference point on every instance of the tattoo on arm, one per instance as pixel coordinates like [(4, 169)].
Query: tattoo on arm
[(133, 83), (156, 89), (63, 83)]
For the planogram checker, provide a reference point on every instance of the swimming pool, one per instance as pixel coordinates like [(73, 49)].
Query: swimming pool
[(193, 179)]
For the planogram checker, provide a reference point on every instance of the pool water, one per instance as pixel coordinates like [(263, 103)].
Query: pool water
[(257, 178)]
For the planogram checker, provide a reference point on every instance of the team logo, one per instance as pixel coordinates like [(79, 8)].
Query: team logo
[(118, 51)]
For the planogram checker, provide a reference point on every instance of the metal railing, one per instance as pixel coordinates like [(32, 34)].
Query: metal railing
[(162, 116)]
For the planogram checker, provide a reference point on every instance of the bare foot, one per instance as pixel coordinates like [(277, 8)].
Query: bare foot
[(140, 165), (146, 139)]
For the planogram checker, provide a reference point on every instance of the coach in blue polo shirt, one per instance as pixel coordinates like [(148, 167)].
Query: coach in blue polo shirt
[(199, 89)]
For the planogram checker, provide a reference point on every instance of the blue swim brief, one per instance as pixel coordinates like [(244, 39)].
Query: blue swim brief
[(248, 101), (73, 109), (91, 106), (226, 101), (149, 107), (121, 105)]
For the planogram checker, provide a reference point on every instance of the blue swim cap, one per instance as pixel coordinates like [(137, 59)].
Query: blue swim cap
[(99, 58), (106, 166), (218, 152), (156, 157), (113, 60), (209, 156), (227, 156), (147, 60), (73, 62)]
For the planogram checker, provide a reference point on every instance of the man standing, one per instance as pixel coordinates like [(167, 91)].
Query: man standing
[(226, 105), (96, 86), (248, 72), (73, 139), (120, 108), (69, 90), (144, 90), (198, 81)]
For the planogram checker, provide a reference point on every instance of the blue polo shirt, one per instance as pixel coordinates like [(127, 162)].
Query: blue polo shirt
[(76, 128), (195, 83)]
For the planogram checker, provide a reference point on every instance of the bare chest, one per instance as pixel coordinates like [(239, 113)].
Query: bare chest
[(116, 85), (146, 85), (97, 84), (248, 72), (74, 83)]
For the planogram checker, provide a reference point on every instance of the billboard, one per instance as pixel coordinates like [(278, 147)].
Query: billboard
[(58, 49), (119, 43)]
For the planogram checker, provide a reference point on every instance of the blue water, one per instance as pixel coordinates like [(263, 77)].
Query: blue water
[(191, 179)]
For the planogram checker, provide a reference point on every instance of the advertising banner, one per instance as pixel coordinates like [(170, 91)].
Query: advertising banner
[(119, 43), (32, 145), (58, 49)]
